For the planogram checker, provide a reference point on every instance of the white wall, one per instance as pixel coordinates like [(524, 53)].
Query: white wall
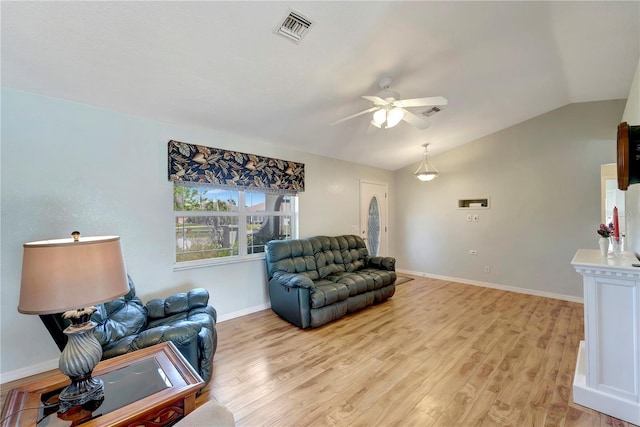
[(543, 178), (631, 115), (67, 166), (632, 108)]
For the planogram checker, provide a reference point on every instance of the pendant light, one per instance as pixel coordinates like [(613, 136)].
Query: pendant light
[(426, 171)]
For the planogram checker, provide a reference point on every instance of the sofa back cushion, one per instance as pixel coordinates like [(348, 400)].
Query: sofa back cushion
[(340, 253), (354, 252), (120, 318), (316, 257), (328, 256), (291, 256)]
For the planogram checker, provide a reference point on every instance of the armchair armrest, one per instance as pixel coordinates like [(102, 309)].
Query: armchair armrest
[(293, 280), (382, 263)]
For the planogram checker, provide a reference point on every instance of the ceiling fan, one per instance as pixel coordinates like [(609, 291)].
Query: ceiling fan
[(388, 110)]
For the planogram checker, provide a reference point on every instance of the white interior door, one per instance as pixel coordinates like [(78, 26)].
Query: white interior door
[(373, 216)]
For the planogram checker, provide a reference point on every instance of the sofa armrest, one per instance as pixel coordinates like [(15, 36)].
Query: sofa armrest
[(293, 280), (178, 303), (291, 303), (382, 263)]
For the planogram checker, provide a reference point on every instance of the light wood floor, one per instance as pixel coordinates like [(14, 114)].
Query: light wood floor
[(436, 354)]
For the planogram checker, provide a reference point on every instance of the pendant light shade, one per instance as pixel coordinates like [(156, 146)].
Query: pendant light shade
[(426, 171)]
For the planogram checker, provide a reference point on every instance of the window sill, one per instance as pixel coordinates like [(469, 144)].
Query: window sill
[(188, 265)]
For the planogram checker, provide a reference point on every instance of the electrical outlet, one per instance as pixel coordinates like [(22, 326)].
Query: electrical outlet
[(469, 218), (476, 218), (487, 269), (473, 252)]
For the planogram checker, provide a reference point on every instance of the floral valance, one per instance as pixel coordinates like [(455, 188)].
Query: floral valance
[(197, 164)]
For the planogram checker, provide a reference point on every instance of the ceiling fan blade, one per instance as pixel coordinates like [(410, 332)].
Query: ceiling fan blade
[(421, 102), (414, 120), (376, 100), (356, 115)]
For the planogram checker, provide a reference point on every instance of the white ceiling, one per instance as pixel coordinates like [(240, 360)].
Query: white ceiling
[(219, 65)]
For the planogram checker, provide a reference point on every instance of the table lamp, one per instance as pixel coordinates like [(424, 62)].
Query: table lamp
[(71, 276)]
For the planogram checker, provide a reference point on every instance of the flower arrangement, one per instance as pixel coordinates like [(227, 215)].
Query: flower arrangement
[(605, 231)]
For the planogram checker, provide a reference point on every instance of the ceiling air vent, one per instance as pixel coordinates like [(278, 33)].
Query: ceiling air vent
[(431, 111), (294, 26)]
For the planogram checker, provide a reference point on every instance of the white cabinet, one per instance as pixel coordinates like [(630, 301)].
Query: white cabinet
[(607, 375)]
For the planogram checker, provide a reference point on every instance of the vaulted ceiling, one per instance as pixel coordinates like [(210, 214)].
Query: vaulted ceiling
[(220, 65)]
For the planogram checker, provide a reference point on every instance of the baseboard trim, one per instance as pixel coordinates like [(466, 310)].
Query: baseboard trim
[(526, 291), (243, 312)]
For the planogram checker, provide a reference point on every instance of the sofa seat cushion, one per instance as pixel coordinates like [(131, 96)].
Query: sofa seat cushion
[(328, 313), (380, 277), (361, 281), (326, 292)]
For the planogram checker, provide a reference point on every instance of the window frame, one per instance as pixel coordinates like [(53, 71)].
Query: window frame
[(242, 214)]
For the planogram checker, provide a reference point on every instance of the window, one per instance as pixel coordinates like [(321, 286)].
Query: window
[(219, 224)]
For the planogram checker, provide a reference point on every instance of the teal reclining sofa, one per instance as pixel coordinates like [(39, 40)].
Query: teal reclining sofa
[(317, 280)]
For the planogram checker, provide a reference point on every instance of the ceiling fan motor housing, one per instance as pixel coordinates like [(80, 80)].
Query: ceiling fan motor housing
[(385, 83), (387, 94)]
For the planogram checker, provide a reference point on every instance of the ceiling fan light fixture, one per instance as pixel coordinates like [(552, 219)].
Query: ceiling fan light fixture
[(394, 117), (379, 117), (426, 171), (388, 110)]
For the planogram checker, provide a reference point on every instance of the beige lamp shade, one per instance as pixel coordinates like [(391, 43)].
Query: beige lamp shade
[(64, 274)]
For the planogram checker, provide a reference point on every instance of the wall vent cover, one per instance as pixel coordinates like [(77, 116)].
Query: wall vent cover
[(294, 26), (431, 111)]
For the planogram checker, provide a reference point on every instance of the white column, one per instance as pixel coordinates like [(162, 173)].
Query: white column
[(607, 376)]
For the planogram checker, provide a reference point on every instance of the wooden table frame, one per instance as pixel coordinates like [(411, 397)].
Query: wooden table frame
[(162, 408)]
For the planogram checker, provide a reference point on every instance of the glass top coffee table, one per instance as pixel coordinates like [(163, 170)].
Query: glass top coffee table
[(155, 385)]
